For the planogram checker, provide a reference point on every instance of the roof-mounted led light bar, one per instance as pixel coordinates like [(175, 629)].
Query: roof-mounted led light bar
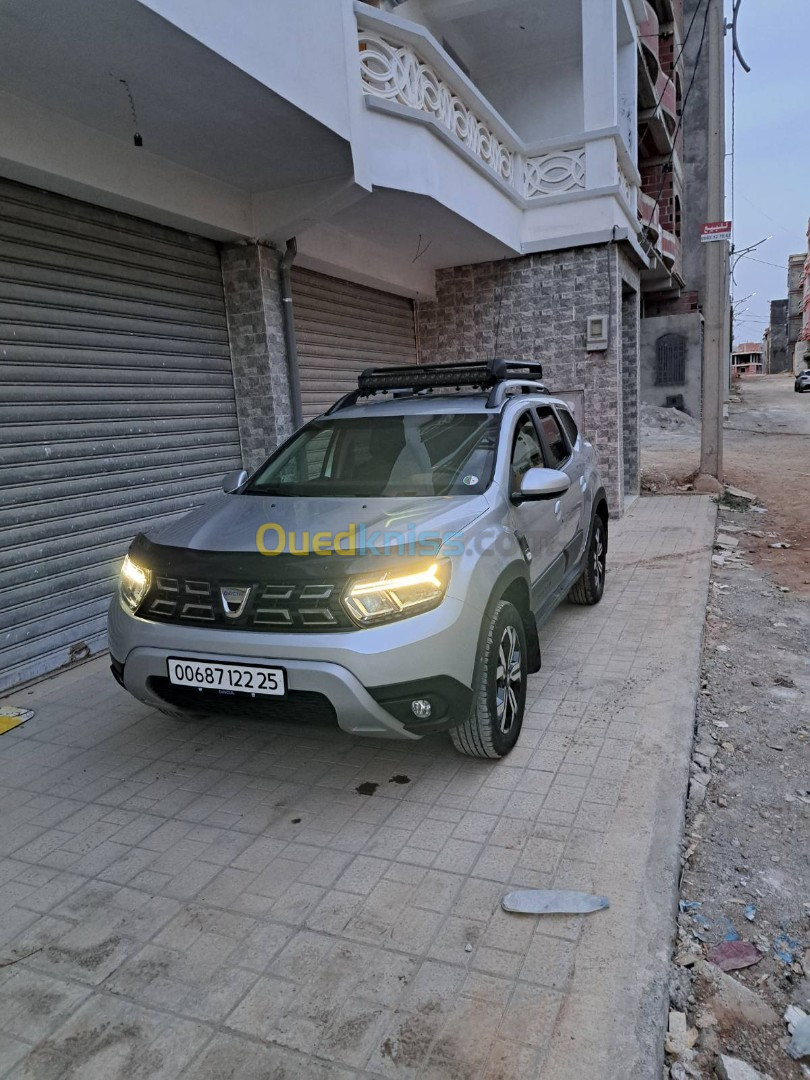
[(416, 378), (429, 376)]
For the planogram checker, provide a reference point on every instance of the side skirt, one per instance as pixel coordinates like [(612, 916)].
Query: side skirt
[(554, 599)]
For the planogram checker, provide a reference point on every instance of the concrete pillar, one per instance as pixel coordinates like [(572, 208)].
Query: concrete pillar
[(600, 88), (599, 63), (250, 279)]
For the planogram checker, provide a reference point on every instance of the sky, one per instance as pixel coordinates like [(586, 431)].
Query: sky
[(771, 152)]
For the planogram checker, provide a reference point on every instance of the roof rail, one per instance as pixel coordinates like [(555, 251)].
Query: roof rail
[(500, 391)]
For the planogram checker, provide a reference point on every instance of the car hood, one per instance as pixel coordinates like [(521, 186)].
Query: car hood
[(233, 522)]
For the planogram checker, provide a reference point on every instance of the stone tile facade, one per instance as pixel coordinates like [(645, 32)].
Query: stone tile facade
[(535, 308), (258, 349), (630, 391)]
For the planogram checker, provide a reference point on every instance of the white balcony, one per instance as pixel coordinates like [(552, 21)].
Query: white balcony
[(412, 89), (395, 73)]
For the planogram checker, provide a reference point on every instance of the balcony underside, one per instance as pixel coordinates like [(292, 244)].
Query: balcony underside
[(396, 187), (396, 239), (213, 136)]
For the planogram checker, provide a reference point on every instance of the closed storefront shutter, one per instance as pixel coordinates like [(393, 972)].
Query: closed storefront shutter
[(117, 409), (342, 328)]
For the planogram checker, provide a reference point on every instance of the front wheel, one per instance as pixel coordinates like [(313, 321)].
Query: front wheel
[(590, 584), (494, 723)]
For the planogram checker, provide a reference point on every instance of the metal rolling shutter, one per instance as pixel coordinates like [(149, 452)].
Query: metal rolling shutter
[(340, 329), (116, 409)]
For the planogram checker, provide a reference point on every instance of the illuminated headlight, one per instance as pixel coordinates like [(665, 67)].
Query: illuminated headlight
[(376, 598), (134, 583)]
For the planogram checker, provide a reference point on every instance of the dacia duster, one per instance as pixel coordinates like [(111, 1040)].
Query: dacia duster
[(387, 566)]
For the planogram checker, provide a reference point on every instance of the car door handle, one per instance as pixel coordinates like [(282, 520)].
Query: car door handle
[(557, 507), (583, 483)]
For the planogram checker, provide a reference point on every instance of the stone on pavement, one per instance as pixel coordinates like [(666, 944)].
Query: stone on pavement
[(729, 1068), (707, 485), (731, 1003)]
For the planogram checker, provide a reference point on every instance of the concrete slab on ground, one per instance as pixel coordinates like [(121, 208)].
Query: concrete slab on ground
[(199, 900)]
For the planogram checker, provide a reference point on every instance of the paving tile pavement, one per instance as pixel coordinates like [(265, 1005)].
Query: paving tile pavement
[(210, 899)]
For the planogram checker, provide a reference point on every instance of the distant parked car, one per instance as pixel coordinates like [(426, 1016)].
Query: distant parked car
[(802, 381)]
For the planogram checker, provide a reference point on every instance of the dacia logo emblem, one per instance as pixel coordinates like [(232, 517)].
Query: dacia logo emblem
[(234, 600)]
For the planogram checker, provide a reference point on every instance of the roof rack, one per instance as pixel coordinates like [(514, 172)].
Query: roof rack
[(497, 376)]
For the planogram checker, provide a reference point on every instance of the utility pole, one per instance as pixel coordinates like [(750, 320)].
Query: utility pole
[(715, 308)]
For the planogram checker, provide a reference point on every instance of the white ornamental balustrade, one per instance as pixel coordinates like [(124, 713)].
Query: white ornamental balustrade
[(396, 73), (554, 173)]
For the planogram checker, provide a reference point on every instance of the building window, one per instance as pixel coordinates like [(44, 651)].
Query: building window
[(670, 360), (677, 222)]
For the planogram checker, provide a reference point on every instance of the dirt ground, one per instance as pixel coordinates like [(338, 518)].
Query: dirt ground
[(766, 451), (746, 846)]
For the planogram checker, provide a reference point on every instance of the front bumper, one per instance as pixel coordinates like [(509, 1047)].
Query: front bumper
[(352, 670)]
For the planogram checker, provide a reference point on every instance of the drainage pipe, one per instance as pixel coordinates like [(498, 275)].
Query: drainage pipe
[(285, 262)]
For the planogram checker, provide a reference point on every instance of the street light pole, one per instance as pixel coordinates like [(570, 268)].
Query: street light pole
[(716, 261)]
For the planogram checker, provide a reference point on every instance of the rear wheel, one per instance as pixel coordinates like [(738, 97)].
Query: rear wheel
[(494, 724), (590, 584)]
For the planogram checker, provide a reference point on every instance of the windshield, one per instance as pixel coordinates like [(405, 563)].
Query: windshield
[(391, 456)]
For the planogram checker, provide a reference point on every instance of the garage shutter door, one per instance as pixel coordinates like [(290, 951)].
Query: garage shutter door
[(116, 409), (342, 328)]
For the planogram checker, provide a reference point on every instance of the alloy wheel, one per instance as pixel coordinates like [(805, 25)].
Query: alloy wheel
[(598, 560), (508, 677)]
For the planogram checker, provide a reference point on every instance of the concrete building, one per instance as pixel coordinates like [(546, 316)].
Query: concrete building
[(747, 359), (459, 178), (796, 279), (799, 309), (776, 356), (671, 334)]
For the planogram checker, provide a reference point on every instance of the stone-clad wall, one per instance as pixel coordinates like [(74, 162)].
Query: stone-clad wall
[(630, 391), (546, 299), (258, 349)]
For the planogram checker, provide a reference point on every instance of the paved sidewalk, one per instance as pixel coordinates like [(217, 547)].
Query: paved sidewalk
[(211, 900)]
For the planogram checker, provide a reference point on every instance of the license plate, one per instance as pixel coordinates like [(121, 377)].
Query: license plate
[(230, 678)]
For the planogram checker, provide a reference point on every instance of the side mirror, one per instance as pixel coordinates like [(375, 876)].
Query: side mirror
[(543, 484), (232, 481)]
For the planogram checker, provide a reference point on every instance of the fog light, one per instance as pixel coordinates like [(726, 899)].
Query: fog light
[(421, 708)]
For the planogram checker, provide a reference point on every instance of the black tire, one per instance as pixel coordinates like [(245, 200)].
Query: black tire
[(590, 585), (494, 723)]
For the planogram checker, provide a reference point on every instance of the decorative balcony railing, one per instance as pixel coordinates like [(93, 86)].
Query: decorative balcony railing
[(395, 72), (404, 70), (554, 173)]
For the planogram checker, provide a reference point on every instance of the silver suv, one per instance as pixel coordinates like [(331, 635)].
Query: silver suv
[(386, 567)]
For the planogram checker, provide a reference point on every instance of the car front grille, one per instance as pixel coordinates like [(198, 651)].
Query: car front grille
[(297, 706), (280, 606)]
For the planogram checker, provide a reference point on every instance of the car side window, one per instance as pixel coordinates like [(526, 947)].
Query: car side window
[(570, 425), (555, 440), (527, 452)]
